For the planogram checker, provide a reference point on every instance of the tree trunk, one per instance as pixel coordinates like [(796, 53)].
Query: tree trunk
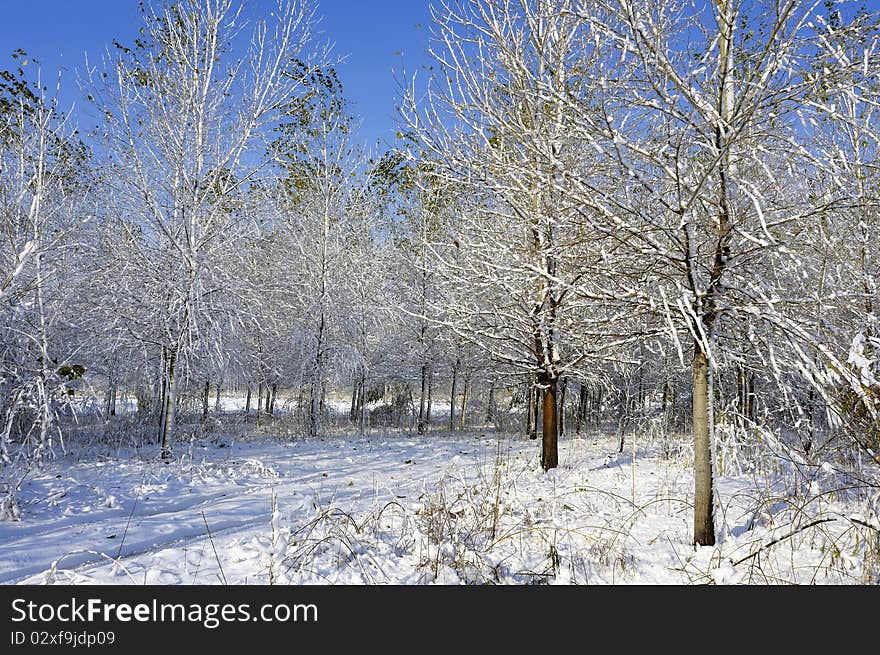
[(531, 421), (205, 401), (315, 409), (361, 409), (217, 405), (352, 414), (268, 399), (536, 411), (162, 391), (549, 454), (582, 408), (259, 398), (462, 417), (113, 390), (563, 384), (704, 507), (750, 396), (423, 399), (169, 404), (247, 402), (490, 405), (108, 402), (430, 397), (274, 396), (452, 397)]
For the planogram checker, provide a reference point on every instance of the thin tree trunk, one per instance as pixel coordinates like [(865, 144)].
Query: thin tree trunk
[(462, 417), (423, 399), (362, 410), (452, 396), (582, 408), (205, 401), (217, 405), (549, 452), (259, 398), (108, 402), (113, 390), (750, 396), (315, 409), (247, 402), (430, 397), (536, 411), (274, 396), (563, 385), (530, 410), (490, 405), (163, 391), (352, 414), (704, 507), (170, 403)]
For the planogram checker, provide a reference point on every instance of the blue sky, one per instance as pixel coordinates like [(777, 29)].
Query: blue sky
[(369, 32)]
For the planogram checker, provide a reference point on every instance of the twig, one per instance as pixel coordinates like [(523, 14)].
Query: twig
[(131, 514), (211, 539), (783, 538)]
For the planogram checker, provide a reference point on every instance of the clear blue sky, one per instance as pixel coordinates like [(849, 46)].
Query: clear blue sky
[(59, 32)]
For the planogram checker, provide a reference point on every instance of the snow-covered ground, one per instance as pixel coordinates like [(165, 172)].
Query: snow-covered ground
[(441, 509)]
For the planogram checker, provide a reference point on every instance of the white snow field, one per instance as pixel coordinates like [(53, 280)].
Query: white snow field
[(443, 509)]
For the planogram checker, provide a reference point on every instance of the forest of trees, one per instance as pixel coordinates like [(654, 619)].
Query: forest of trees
[(598, 215)]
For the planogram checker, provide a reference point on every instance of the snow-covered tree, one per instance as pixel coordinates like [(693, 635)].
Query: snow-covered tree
[(185, 125)]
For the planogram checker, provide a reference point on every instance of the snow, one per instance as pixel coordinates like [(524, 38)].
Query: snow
[(439, 509)]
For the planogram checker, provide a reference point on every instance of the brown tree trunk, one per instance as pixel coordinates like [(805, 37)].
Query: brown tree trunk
[(247, 402), (704, 506), (549, 454)]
